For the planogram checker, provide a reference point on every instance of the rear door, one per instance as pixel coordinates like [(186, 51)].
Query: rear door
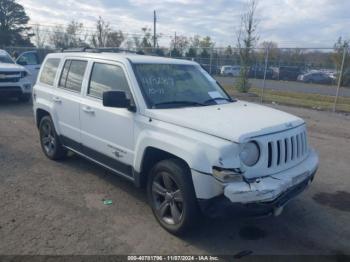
[(107, 133), (67, 102)]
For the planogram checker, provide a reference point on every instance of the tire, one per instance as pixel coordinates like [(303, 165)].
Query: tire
[(24, 98), (171, 196), (49, 140)]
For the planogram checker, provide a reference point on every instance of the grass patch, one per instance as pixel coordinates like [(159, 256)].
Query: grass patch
[(315, 101)]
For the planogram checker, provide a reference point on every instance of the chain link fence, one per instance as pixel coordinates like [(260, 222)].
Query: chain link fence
[(317, 78)]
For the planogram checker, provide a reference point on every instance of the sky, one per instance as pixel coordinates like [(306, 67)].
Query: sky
[(290, 23)]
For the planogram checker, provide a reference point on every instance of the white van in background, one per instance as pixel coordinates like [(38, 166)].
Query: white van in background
[(230, 70)]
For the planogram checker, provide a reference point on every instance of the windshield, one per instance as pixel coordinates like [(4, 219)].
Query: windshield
[(175, 85), (5, 58)]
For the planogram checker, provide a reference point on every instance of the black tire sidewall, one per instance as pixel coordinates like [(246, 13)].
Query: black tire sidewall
[(59, 151), (182, 176)]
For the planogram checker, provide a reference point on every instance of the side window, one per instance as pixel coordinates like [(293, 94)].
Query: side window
[(49, 71), (73, 75), (28, 59), (105, 77)]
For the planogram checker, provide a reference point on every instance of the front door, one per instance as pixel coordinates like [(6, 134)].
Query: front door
[(30, 60), (107, 133)]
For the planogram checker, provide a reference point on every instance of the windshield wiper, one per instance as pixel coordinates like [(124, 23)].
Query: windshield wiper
[(190, 103), (217, 98)]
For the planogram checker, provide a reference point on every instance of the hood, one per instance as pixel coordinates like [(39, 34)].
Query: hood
[(236, 121), (5, 67)]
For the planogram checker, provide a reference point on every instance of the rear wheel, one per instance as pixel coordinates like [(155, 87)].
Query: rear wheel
[(171, 196), (50, 143)]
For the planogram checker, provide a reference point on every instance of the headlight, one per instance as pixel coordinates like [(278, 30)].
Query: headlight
[(227, 175), (250, 153), (24, 74)]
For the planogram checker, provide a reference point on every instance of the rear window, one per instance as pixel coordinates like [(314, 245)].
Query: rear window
[(73, 75), (49, 71)]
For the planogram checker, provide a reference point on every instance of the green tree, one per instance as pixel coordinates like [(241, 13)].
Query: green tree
[(13, 24), (206, 45), (191, 53)]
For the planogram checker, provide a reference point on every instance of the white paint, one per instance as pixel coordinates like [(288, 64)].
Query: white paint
[(202, 136)]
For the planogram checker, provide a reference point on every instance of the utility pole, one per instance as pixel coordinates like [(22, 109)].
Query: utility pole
[(264, 82), (345, 49), (154, 29), (175, 41)]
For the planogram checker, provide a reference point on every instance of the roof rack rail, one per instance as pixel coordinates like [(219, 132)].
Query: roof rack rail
[(98, 50), (73, 50)]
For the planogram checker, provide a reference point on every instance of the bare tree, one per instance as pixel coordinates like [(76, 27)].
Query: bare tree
[(99, 39), (40, 37), (179, 43), (115, 39), (246, 41), (339, 48), (105, 36), (58, 37), (76, 36)]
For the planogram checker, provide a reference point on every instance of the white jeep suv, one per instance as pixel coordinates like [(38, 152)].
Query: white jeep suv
[(168, 125), (15, 80)]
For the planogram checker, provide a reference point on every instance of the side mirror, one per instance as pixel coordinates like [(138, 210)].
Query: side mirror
[(117, 99)]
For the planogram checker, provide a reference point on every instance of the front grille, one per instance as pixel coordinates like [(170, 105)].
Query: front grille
[(10, 80), (6, 77), (9, 88), (282, 151)]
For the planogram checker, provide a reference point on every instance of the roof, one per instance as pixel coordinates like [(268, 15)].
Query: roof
[(134, 58)]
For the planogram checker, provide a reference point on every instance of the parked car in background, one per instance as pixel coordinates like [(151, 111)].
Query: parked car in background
[(31, 60), (287, 73), (316, 77), (211, 69), (230, 70), (259, 72), (15, 80)]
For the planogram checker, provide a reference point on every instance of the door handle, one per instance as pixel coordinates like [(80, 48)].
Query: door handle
[(56, 99), (88, 110)]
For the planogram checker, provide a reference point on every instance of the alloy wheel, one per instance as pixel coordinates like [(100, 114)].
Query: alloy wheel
[(48, 138), (167, 198)]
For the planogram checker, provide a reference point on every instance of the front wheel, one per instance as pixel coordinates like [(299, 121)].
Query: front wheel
[(172, 197)]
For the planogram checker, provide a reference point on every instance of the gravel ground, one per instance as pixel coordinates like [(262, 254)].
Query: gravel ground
[(56, 207)]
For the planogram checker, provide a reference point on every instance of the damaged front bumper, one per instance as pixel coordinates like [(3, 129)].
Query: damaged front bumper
[(269, 188), (265, 195)]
